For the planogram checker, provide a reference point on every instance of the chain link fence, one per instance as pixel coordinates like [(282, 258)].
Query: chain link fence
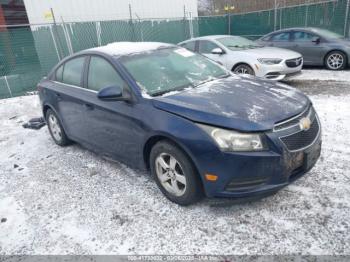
[(28, 52)]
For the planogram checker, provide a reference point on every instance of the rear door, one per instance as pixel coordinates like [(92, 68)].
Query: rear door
[(303, 42), (70, 97)]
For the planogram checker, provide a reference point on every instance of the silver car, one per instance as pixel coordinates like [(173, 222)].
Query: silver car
[(243, 56), (319, 47)]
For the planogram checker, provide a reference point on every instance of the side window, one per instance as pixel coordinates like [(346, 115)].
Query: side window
[(205, 47), (102, 74), (59, 74), (281, 37), (303, 36), (73, 70), (190, 45), (266, 38)]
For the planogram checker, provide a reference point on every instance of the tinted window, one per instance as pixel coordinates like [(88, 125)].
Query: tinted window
[(281, 37), (102, 74), (303, 36), (73, 70), (59, 74), (205, 47), (190, 45)]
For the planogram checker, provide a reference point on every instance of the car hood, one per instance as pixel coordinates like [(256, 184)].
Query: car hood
[(240, 103), (272, 52)]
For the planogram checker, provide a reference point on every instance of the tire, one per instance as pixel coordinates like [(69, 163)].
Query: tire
[(243, 69), (55, 128), (336, 60), (171, 176)]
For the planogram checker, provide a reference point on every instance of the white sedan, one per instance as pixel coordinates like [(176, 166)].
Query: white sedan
[(243, 56)]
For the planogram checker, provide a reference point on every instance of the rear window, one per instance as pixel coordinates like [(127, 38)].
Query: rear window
[(73, 70)]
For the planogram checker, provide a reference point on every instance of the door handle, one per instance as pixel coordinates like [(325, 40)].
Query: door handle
[(58, 96), (89, 107)]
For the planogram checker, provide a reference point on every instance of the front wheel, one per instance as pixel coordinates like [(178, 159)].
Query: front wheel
[(336, 60), (175, 174), (243, 69)]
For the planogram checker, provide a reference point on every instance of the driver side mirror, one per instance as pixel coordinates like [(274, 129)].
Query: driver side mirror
[(112, 93), (217, 51), (316, 40)]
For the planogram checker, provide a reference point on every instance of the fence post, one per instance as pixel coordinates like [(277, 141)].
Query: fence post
[(190, 24), (67, 37), (54, 35), (55, 44), (275, 18), (132, 24), (346, 22), (307, 14), (98, 33), (8, 86), (229, 24)]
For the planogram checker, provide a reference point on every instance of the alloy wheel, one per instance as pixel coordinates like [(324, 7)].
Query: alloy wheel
[(335, 61), (243, 70), (55, 128), (170, 174)]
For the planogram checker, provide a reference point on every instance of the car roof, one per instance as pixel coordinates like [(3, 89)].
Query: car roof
[(125, 48), (312, 29), (208, 37)]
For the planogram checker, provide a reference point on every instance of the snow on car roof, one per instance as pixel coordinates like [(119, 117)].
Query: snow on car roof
[(125, 48)]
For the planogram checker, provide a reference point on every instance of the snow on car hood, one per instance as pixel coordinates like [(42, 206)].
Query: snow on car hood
[(272, 52), (240, 103)]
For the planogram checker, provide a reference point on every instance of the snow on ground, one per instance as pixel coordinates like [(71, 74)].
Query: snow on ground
[(71, 201), (321, 74)]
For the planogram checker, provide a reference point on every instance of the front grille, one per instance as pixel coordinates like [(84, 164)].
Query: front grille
[(310, 112), (302, 139), (294, 62)]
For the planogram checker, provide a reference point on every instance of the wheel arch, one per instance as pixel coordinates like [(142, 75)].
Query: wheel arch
[(336, 50), (151, 141), (46, 107), (242, 63)]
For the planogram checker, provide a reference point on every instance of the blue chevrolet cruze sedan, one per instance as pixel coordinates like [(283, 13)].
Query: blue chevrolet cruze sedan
[(198, 128)]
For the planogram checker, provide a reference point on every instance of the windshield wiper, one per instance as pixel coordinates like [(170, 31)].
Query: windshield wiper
[(162, 92), (235, 46)]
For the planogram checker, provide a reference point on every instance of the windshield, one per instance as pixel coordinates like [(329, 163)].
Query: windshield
[(170, 69), (237, 42), (328, 34)]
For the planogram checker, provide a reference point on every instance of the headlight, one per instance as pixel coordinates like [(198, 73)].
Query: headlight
[(270, 61), (229, 140)]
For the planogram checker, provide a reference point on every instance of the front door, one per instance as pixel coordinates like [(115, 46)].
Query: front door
[(205, 47), (282, 40), (114, 128)]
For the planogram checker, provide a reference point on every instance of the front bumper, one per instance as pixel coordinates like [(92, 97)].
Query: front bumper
[(276, 72), (254, 174)]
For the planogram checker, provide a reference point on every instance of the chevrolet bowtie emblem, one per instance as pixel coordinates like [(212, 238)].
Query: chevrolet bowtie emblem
[(305, 123)]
